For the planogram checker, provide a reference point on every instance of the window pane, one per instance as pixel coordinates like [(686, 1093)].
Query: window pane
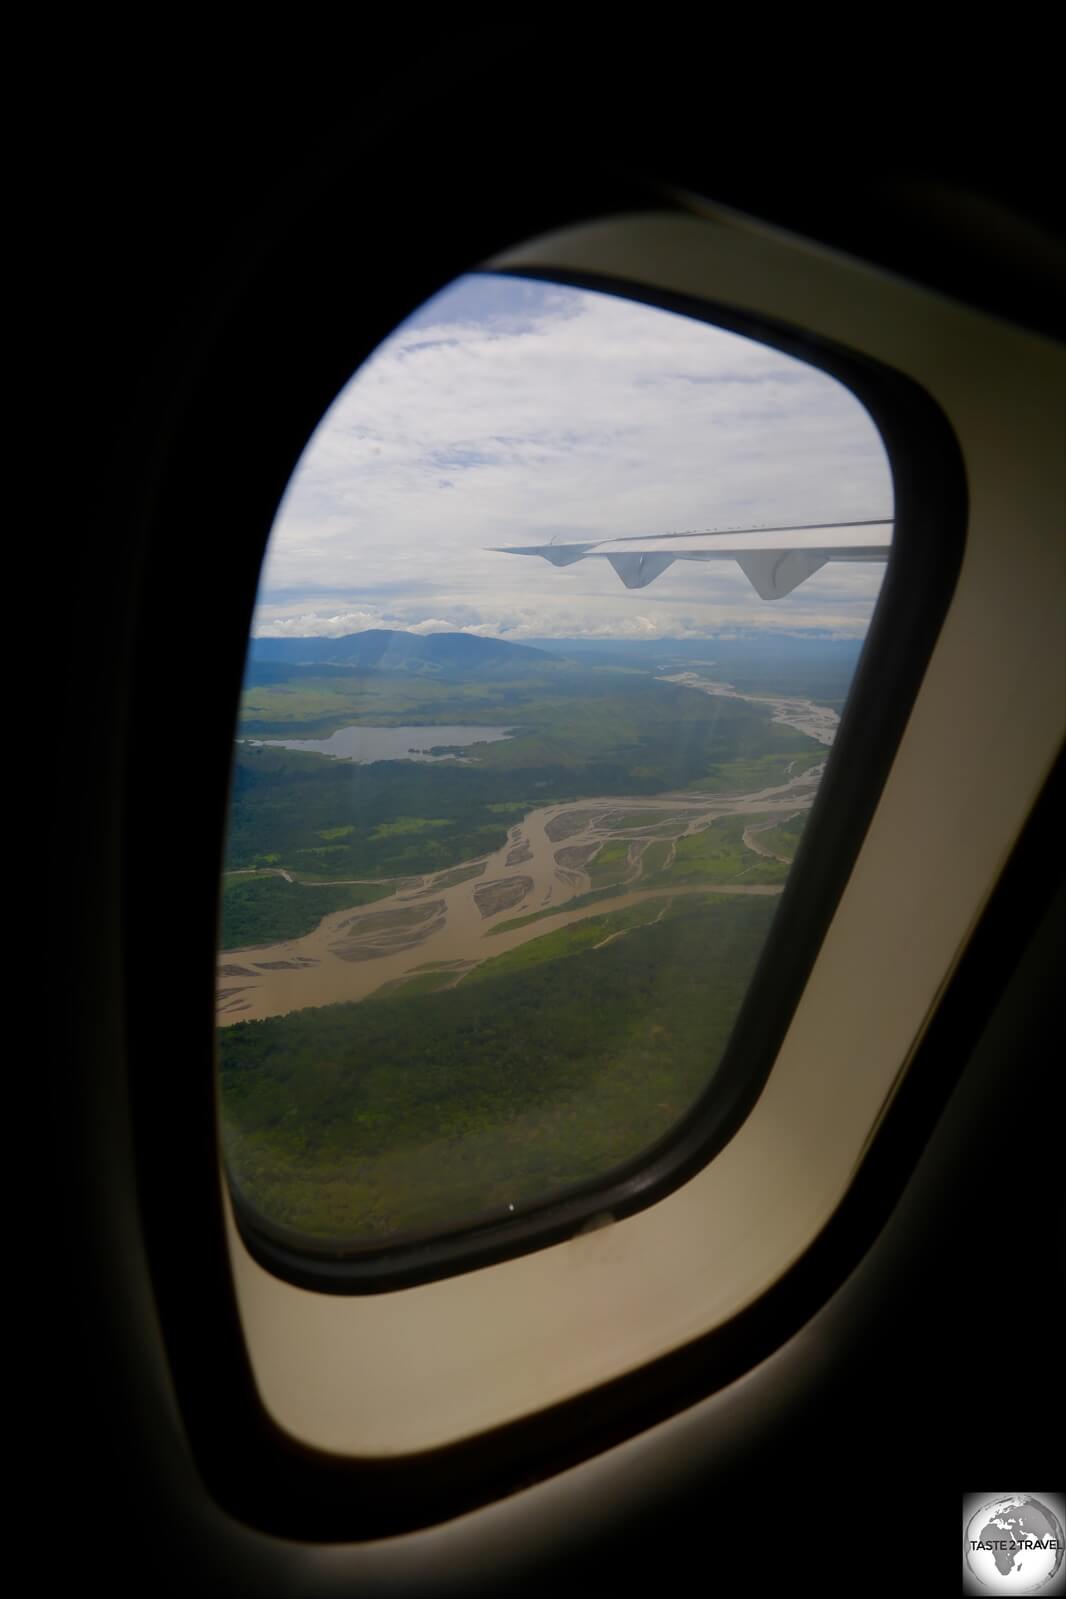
[(527, 746)]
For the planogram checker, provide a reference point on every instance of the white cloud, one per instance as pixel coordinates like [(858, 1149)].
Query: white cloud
[(435, 624), (304, 624), (580, 415)]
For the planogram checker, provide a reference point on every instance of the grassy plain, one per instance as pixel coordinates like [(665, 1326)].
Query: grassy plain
[(784, 839), (419, 983), (655, 857), (570, 940), (594, 897), (610, 864), (755, 772), (718, 854)]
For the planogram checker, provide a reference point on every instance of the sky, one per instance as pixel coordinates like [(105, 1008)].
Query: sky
[(508, 411)]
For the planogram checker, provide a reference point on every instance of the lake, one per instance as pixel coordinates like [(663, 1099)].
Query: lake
[(367, 744)]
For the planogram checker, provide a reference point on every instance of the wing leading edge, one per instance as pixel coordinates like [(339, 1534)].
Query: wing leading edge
[(774, 560)]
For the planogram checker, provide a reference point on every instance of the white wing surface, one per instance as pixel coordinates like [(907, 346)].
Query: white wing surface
[(775, 560)]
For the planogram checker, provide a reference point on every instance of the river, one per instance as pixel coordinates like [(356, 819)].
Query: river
[(438, 921)]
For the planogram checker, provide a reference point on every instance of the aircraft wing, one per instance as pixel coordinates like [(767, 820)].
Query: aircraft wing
[(775, 560)]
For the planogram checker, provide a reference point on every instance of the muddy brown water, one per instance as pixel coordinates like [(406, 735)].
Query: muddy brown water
[(352, 953)]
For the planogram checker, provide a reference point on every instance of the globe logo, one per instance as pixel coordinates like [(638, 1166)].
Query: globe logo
[(1014, 1545)]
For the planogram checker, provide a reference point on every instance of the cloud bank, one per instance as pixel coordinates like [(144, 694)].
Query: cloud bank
[(512, 412)]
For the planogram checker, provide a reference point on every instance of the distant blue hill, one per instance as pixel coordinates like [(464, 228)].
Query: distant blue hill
[(769, 662), (386, 650)]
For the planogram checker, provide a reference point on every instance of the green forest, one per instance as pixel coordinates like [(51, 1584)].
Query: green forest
[(463, 1088), (263, 908), (422, 1113)]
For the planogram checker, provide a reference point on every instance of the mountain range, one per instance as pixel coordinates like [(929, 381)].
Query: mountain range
[(391, 651)]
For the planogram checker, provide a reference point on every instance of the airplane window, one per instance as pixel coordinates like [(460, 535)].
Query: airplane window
[(555, 630)]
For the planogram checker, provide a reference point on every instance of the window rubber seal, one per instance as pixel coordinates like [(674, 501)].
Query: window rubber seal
[(919, 580)]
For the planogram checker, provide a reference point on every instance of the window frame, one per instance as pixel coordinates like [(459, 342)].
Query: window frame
[(251, 1465)]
